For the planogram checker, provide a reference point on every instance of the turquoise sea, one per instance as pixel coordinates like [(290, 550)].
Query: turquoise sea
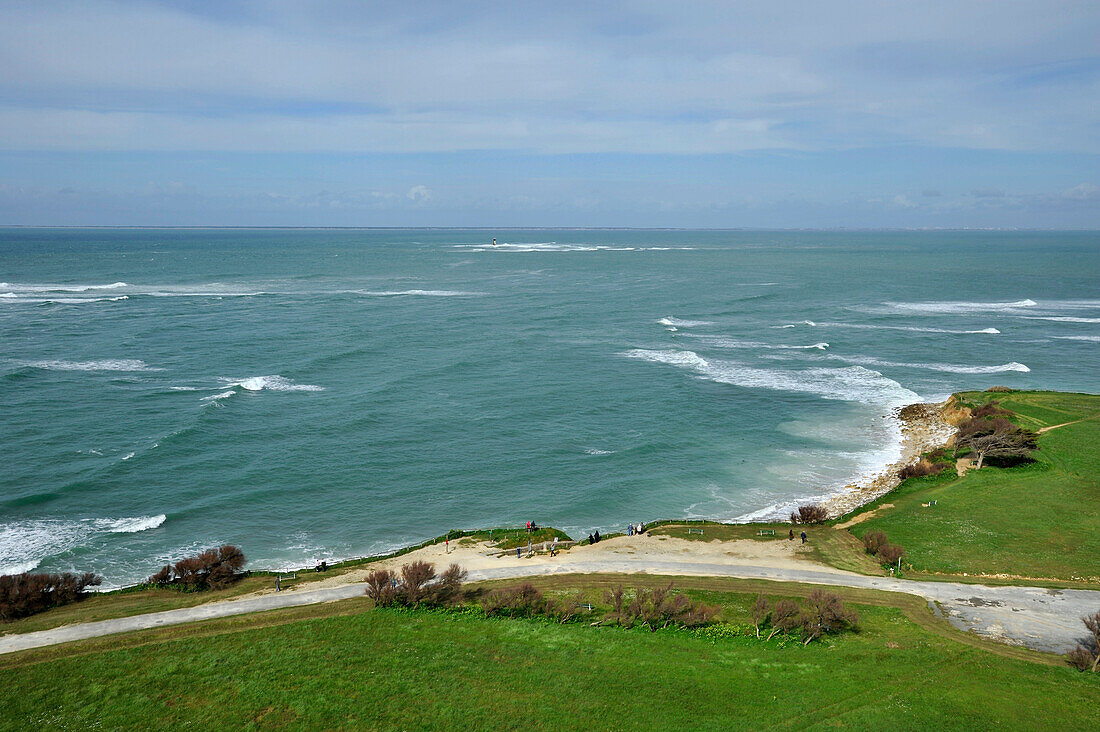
[(314, 394)]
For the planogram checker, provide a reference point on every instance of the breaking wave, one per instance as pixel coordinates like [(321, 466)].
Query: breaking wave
[(910, 328), (945, 367), (121, 364), (683, 323), (421, 293), (1062, 318), (960, 307), (851, 383), (25, 544)]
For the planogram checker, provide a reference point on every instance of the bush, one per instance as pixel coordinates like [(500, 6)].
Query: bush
[(1086, 656), (889, 554), (809, 515), (212, 569), (1000, 388), (26, 594), (873, 541), (921, 468), (524, 600), (825, 613), (416, 584)]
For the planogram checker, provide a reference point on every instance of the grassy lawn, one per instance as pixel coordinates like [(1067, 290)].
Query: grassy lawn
[(345, 666), (1037, 520)]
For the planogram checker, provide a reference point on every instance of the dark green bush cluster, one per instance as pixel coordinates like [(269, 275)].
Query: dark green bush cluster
[(877, 545), (417, 584), (823, 613), (212, 569), (26, 594)]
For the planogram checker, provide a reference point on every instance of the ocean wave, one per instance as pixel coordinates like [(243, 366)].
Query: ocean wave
[(421, 293), (911, 328), (60, 300), (119, 364), (59, 288), (795, 325), (719, 342), (594, 451), (1088, 338), (258, 383), (960, 307), (851, 383), (683, 323), (945, 367), (25, 544), (1061, 318), (551, 246)]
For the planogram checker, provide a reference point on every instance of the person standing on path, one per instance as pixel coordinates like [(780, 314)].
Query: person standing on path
[(803, 536), (791, 537)]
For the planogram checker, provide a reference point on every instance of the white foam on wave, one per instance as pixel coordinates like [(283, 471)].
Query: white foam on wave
[(594, 451), (719, 342), (1087, 338), (420, 293), (25, 544), (851, 383), (61, 300), (683, 322), (946, 307), (911, 328), (258, 383), (1062, 318), (116, 364), (551, 246), (944, 367), (795, 325), (59, 287)]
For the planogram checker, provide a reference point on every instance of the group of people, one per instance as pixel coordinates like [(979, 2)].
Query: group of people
[(531, 527), (633, 529), (594, 537), (791, 537)]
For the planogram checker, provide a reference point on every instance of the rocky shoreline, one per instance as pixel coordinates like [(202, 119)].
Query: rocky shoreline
[(924, 427)]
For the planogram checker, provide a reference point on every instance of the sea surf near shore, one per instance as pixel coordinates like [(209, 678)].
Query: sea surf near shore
[(318, 395)]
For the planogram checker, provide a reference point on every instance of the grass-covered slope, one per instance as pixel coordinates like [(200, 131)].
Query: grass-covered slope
[(1039, 520), (391, 669)]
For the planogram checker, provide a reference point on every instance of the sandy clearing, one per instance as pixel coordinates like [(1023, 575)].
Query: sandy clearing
[(864, 516)]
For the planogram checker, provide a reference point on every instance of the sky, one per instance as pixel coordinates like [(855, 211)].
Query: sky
[(722, 114)]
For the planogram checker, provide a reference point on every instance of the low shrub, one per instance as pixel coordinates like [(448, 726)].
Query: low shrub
[(824, 613), (416, 584), (26, 594), (1001, 388), (921, 468), (814, 514), (212, 569), (1086, 656), (889, 554), (873, 541)]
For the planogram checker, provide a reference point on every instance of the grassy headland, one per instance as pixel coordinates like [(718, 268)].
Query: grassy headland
[(1037, 520)]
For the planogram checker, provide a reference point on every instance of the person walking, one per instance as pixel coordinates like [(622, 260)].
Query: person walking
[(791, 537), (517, 552), (803, 537)]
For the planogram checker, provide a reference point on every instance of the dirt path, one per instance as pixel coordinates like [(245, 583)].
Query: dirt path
[(1042, 619), (1048, 428)]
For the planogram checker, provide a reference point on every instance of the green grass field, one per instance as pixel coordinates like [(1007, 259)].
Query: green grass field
[(347, 666), (1034, 521)]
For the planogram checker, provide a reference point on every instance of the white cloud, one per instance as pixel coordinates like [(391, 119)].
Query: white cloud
[(419, 194)]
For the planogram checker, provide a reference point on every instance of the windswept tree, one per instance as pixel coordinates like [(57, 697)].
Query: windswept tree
[(814, 514), (825, 613), (786, 616), (761, 610), (1086, 656), (26, 594)]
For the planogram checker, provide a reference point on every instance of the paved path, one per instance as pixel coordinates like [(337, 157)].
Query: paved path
[(1046, 620)]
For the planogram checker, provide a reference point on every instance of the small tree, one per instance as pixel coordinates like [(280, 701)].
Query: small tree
[(825, 613), (381, 587), (873, 541), (889, 554), (448, 589), (761, 609), (785, 617), (415, 578), (814, 514), (1086, 656)]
